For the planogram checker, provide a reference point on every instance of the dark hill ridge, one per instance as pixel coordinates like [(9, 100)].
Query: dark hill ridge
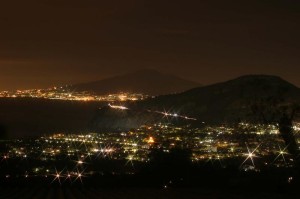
[(229, 101), (145, 81)]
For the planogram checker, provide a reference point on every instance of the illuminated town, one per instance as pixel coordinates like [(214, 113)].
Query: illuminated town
[(147, 99), (63, 93), (254, 146)]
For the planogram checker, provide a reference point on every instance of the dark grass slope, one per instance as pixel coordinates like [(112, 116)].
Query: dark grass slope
[(201, 180), (207, 188)]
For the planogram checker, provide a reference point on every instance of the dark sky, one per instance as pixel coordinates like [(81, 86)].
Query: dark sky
[(51, 42)]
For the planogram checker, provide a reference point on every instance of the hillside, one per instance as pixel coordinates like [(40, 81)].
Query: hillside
[(225, 102), (228, 100), (148, 82)]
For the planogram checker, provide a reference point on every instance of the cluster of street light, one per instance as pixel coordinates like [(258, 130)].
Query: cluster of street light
[(209, 145), (63, 93), (63, 176)]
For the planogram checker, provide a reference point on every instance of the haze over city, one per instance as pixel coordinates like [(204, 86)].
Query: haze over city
[(47, 43)]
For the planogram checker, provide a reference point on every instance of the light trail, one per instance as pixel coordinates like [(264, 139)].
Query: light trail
[(175, 115), (118, 107), (165, 114)]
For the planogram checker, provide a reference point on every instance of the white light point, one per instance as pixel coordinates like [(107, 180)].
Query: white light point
[(79, 176), (57, 176), (80, 162), (250, 155)]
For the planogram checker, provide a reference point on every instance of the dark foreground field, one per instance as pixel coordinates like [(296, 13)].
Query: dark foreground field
[(208, 185), (133, 193)]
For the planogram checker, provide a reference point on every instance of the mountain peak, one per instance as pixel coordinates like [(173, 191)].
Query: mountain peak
[(146, 81), (261, 80)]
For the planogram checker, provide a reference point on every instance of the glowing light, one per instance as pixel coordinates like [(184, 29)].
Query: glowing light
[(250, 155), (68, 177), (150, 140), (281, 153), (117, 107), (4, 158), (166, 114), (80, 162), (130, 160), (79, 176), (57, 176), (122, 97)]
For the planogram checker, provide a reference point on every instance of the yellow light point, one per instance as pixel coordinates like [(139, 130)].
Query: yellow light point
[(150, 140), (122, 97), (281, 153)]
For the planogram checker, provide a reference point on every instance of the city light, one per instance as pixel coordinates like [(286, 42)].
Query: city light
[(61, 93), (57, 176), (250, 155), (211, 144), (281, 153)]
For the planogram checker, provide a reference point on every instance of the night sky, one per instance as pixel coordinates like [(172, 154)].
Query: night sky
[(51, 42)]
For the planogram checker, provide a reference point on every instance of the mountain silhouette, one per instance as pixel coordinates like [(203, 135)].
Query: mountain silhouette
[(145, 81), (226, 102)]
